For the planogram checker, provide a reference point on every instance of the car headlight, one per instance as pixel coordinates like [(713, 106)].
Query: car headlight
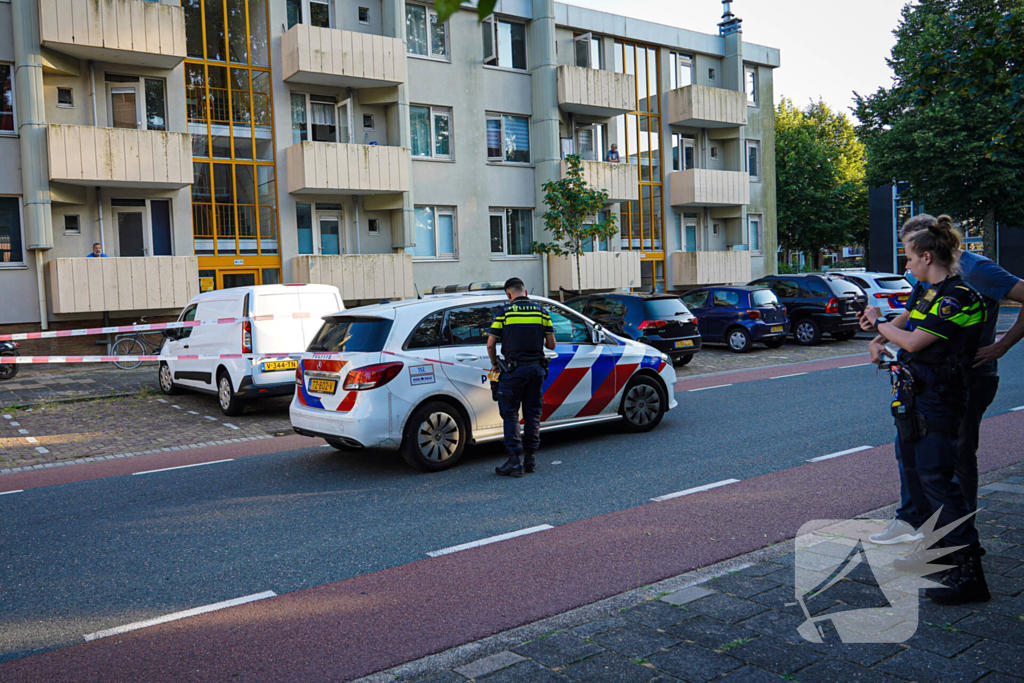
[(665, 358)]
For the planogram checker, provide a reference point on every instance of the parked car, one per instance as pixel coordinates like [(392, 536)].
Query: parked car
[(888, 291), (739, 316), (236, 381), (817, 304), (658, 320)]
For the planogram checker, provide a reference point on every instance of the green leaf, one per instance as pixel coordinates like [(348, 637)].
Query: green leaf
[(484, 9)]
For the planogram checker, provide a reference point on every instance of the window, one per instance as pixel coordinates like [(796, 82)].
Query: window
[(136, 103), (187, 316), (680, 71), (511, 232), (142, 227), (750, 84), (569, 328), (754, 159), (754, 223), (725, 298), (606, 307), (714, 152), (431, 132), (6, 99), (351, 334), (711, 75), (319, 14), (602, 244), (435, 233), (590, 141), (686, 232), (319, 118), (786, 289), (426, 35), (364, 15), (319, 228), (428, 333), (508, 138), (368, 123), (72, 225), (587, 51), (817, 287), (374, 227), (684, 152), (65, 98), (504, 43), (763, 297), (468, 325), (10, 232), (155, 105), (695, 299)]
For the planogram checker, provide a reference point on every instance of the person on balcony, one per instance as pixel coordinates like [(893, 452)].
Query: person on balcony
[(97, 251), (613, 154)]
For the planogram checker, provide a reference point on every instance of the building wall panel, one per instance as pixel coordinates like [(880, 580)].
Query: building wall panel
[(359, 276), (95, 285), (101, 28), (327, 56), (710, 267), (705, 187), (119, 157), (601, 270), (594, 90), (346, 168)]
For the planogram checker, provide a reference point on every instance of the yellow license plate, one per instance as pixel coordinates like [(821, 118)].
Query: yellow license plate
[(323, 386), (272, 365), (777, 328), (903, 298), (685, 342)]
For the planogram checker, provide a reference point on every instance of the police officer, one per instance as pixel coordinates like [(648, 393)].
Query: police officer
[(524, 330), (938, 347)]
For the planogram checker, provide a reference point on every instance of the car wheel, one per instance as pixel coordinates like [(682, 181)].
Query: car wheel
[(683, 360), (230, 404), (844, 336), (435, 437), (739, 340), (8, 370), (807, 332), (166, 380), (775, 342), (643, 404)]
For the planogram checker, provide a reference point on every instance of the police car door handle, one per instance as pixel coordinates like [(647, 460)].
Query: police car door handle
[(466, 357)]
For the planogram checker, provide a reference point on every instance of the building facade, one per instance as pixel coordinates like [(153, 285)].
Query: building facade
[(366, 144)]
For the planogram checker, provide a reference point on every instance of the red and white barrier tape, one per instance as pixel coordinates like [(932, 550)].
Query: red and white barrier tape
[(149, 327), (29, 360)]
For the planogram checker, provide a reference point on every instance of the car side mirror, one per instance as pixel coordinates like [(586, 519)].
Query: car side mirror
[(598, 334), (171, 334)]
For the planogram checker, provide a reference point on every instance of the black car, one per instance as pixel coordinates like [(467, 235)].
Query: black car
[(659, 320), (817, 304)]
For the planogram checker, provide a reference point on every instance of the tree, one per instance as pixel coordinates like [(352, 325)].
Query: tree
[(946, 135), (573, 207), (821, 200), (446, 8)]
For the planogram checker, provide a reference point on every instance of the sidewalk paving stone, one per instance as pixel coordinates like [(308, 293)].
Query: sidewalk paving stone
[(525, 671), (781, 625), (774, 655), (864, 654), (592, 628), (915, 665), (941, 641), (741, 586), (831, 670), (751, 674), (727, 608), (710, 633), (994, 627), (558, 650), (489, 665), (694, 663), (996, 656), (634, 640), (607, 667), (687, 595), (657, 614)]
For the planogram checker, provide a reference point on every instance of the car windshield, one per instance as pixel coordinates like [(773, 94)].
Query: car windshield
[(350, 334), (659, 309), (845, 288), (894, 282), (763, 297)]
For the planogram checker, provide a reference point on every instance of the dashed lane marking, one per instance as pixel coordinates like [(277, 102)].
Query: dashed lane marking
[(1017, 409), (858, 365), (556, 462), (7, 417), (208, 417), (717, 386), (795, 374), (174, 406), (192, 412), (4, 493), (15, 424), (230, 426), (182, 467), (23, 431), (118, 630), (836, 455), (42, 449), (161, 400), (695, 489), (488, 541)]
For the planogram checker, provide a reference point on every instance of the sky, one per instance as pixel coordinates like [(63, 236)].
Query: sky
[(829, 48)]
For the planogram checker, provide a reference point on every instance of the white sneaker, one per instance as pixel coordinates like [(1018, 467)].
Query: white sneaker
[(898, 531)]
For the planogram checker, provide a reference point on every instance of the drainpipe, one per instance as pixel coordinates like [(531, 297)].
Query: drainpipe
[(355, 203), (95, 120), (544, 124), (403, 225), (35, 175)]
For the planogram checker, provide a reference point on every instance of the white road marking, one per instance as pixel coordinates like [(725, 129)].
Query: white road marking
[(836, 455), (230, 426), (795, 374), (695, 489), (210, 418), (717, 386), (192, 412), (15, 424), (6, 416), (4, 493), (556, 462), (31, 439), (42, 449), (1017, 409), (174, 406), (859, 365), (181, 467), (488, 541), (118, 630), (23, 431), (161, 400)]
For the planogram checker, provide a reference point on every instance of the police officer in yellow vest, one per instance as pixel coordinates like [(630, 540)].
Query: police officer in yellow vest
[(524, 330), (937, 350)]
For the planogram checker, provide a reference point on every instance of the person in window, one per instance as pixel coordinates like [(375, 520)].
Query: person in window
[(524, 329), (613, 154), (97, 252)]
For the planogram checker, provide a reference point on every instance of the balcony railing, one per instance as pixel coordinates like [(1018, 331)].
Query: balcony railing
[(127, 31), (359, 277), (704, 187), (710, 267), (329, 167), (599, 270), (119, 157), (703, 107), (330, 56), (95, 285), (621, 180), (593, 92)]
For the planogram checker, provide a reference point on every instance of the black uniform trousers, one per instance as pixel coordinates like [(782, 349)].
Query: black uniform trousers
[(522, 387)]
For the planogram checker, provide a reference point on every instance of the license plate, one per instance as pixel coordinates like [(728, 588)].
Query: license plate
[(902, 298), (323, 386), (684, 342), (272, 365), (777, 328)]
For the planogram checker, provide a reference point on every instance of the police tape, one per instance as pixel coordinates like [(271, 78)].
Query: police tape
[(150, 327), (30, 360)]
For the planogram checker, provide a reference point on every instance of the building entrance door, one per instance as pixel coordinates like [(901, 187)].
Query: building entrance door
[(130, 239), (238, 278)]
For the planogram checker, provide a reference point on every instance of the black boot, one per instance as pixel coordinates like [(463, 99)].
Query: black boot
[(529, 462), (964, 583), (513, 467)]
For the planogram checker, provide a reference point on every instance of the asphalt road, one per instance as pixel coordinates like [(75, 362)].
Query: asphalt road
[(82, 557)]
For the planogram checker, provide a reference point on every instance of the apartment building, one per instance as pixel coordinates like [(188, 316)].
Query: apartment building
[(366, 144)]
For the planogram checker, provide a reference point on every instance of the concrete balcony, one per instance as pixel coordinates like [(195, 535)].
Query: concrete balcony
[(592, 92), (710, 267), (599, 270), (699, 106), (126, 31), (620, 180), (119, 157), (95, 285), (703, 187), (330, 56), (334, 168), (359, 277)]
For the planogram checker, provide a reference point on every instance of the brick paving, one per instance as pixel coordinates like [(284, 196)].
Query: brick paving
[(36, 384), (738, 622)]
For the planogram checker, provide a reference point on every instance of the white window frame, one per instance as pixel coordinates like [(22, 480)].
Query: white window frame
[(147, 223), (681, 141), (597, 246), (431, 14), (314, 218), (676, 63), (502, 212), (434, 113), (500, 118), (760, 233), (598, 136), (753, 95), (21, 225), (491, 60), (14, 103), (307, 13), (589, 39), (438, 256), (139, 86), (753, 144), (338, 104), (373, 122), (72, 232), (72, 104)]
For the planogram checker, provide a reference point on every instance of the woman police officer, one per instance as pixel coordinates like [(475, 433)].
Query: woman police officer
[(937, 349)]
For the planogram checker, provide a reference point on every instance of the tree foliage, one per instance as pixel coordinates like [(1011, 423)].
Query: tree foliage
[(573, 207), (446, 8), (821, 199)]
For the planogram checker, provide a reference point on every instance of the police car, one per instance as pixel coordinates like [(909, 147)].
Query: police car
[(412, 375)]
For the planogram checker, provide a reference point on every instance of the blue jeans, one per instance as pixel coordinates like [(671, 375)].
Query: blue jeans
[(522, 386)]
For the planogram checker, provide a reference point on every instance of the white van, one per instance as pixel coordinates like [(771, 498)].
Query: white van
[(237, 381)]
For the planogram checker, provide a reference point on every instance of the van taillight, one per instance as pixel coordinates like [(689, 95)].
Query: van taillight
[(246, 336), (832, 306), (372, 376)]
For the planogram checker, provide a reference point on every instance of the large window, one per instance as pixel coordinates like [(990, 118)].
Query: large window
[(136, 103), (320, 118), (750, 81), (591, 141), (10, 232), (504, 43), (426, 35), (680, 70), (587, 51), (754, 227), (754, 159), (6, 99), (431, 132), (312, 12), (684, 152), (508, 138), (435, 233), (511, 232), (319, 228)]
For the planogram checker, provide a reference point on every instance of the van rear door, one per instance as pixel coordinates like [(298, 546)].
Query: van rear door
[(305, 308)]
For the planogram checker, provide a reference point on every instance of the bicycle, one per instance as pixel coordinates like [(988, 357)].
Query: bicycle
[(135, 344)]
